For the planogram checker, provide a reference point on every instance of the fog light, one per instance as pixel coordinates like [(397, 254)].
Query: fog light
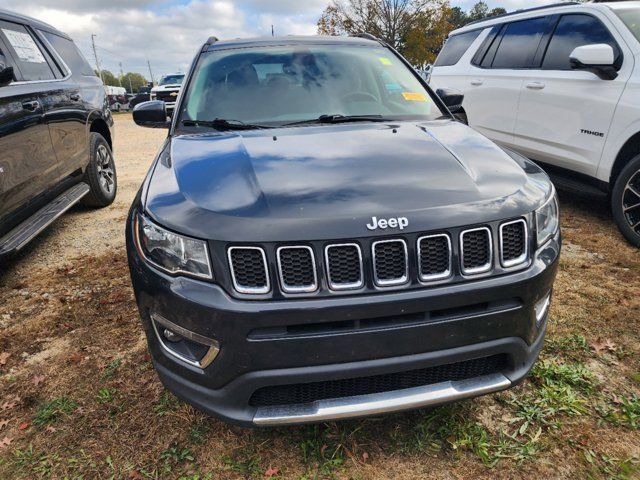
[(541, 308), (171, 336), (184, 345)]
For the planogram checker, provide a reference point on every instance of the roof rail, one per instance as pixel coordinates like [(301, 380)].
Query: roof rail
[(368, 36), (524, 10), (212, 40)]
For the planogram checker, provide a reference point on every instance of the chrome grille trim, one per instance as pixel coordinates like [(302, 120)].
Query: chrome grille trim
[(343, 286), (398, 281), (244, 289), (439, 276), (522, 258), (476, 270), (297, 289)]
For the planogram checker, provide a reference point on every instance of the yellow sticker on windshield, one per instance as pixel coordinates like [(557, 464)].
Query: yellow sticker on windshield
[(414, 97), (385, 61)]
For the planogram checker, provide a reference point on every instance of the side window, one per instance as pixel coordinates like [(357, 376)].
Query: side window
[(454, 48), (70, 54), (30, 58), (574, 31), (519, 43)]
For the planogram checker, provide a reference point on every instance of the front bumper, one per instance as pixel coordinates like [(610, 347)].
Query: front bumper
[(483, 318)]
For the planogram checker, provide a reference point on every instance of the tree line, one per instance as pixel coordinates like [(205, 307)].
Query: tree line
[(416, 28), (131, 81)]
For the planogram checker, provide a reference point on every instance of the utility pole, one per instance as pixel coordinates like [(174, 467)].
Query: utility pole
[(121, 74), (95, 54), (272, 31), (150, 72)]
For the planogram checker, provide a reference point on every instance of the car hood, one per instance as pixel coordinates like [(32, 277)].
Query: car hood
[(327, 181)]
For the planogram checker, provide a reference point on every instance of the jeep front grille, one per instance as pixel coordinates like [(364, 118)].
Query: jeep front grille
[(249, 270), (513, 243), (476, 250), (409, 260), (390, 262), (297, 269), (434, 257), (344, 266)]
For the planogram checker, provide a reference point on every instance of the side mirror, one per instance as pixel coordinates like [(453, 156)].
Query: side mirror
[(6, 75), (451, 98), (597, 59), (151, 114)]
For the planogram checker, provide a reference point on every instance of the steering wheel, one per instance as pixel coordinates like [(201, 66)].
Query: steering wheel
[(355, 96)]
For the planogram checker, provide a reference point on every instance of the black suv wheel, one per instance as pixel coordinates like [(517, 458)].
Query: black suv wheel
[(100, 174), (625, 201)]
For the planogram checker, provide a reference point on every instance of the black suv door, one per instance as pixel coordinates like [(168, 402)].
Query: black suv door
[(27, 160)]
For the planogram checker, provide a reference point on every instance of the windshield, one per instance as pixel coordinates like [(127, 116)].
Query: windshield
[(171, 80), (631, 18), (289, 84)]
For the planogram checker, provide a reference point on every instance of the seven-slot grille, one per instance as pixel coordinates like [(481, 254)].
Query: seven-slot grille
[(297, 268), (513, 243), (344, 266), (476, 250), (249, 269), (434, 257), (389, 261)]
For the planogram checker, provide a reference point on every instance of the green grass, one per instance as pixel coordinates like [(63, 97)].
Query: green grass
[(111, 369), (106, 395), (246, 461), (52, 410), (576, 375), (626, 413)]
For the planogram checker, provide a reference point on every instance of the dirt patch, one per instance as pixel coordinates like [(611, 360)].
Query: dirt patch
[(79, 397)]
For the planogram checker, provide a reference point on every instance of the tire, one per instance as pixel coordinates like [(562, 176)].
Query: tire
[(625, 201), (100, 174)]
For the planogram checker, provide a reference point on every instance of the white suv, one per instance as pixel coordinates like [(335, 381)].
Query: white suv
[(560, 85)]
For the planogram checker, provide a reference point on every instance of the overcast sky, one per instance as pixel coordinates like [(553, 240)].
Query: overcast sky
[(168, 32)]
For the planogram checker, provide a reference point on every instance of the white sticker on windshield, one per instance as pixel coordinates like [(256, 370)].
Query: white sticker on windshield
[(25, 47)]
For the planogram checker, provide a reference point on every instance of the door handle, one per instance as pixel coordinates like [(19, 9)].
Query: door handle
[(535, 85), (75, 97), (476, 82), (31, 106)]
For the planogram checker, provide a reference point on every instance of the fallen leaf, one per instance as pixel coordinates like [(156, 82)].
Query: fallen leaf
[(24, 426), (38, 379), (135, 475), (600, 346), (50, 429), (4, 356), (365, 456), (5, 442), (9, 405), (271, 472)]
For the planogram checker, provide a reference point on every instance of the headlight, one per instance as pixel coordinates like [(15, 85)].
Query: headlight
[(171, 252), (547, 219)]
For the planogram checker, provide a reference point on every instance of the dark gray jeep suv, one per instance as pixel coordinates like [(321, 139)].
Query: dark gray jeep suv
[(319, 238), (55, 131)]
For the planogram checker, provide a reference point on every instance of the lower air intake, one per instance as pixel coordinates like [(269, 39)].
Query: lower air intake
[(302, 393)]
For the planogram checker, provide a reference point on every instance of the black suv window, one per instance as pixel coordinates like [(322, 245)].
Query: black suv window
[(454, 48), (70, 54), (574, 31), (519, 43), (29, 56)]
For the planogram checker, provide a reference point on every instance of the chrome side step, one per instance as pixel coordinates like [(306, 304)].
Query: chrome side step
[(378, 403), (17, 238)]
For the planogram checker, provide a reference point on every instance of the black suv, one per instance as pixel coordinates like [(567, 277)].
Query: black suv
[(320, 239), (55, 131)]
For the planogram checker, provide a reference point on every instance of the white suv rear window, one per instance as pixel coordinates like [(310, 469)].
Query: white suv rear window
[(455, 47)]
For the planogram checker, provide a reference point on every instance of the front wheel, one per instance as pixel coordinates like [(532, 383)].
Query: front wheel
[(625, 201), (100, 174)]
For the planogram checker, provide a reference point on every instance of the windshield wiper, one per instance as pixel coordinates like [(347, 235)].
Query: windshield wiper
[(337, 118), (223, 124)]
